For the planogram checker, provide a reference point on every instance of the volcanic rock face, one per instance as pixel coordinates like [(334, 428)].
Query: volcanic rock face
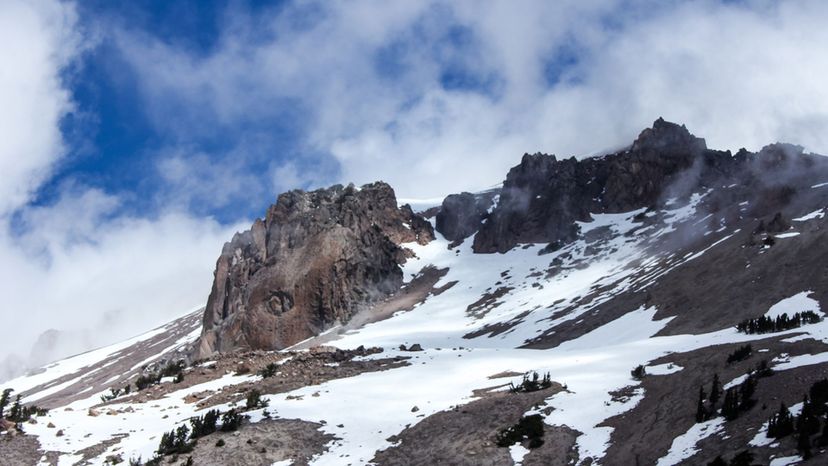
[(320, 257), (461, 215), (316, 259), (543, 196)]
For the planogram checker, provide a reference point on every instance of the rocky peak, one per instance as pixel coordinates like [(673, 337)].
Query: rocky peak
[(668, 138), (544, 196), (316, 259)]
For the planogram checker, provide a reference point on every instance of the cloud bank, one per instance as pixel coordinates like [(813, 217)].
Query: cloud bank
[(430, 90)]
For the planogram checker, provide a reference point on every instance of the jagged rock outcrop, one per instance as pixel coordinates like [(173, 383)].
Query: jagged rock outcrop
[(543, 196), (461, 215), (316, 259)]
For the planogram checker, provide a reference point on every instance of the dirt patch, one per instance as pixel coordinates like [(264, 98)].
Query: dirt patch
[(305, 369), (96, 450), (22, 450), (260, 444), (465, 435), (296, 369)]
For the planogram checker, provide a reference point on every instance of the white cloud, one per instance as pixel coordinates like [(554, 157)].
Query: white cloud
[(78, 271), (193, 180), (37, 39), (79, 265), (738, 74)]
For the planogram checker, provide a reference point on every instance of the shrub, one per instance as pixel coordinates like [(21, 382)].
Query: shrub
[(220, 442), (639, 372), (231, 420), (255, 401), (529, 428), (204, 425), (763, 369), (146, 380), (172, 369), (740, 354), (532, 384), (269, 370), (19, 413), (176, 442)]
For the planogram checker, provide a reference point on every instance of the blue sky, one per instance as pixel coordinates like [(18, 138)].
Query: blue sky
[(114, 145), (137, 137)]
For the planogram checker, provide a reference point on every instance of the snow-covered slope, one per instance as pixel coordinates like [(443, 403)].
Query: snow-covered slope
[(479, 330), (669, 298)]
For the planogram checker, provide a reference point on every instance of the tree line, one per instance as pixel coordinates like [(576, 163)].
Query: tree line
[(783, 322)]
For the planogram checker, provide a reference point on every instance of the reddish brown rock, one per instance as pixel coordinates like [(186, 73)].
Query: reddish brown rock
[(315, 260)]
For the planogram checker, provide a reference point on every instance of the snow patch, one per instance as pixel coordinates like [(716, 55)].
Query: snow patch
[(663, 369), (799, 302), (815, 214), (684, 446)]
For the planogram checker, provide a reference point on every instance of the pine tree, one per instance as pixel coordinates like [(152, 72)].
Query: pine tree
[(255, 400), (269, 370), (701, 411), (823, 438), (746, 391), (781, 424), (730, 405), (819, 396), (803, 445), (804, 429), (715, 391), (16, 412), (763, 369), (4, 400)]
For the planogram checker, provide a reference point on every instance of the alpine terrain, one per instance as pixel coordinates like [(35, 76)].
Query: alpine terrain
[(659, 305)]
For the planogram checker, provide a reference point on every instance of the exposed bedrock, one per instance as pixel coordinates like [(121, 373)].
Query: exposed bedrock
[(461, 215), (543, 196), (315, 260)]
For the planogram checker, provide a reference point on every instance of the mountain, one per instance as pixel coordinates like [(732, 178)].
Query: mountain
[(657, 305)]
